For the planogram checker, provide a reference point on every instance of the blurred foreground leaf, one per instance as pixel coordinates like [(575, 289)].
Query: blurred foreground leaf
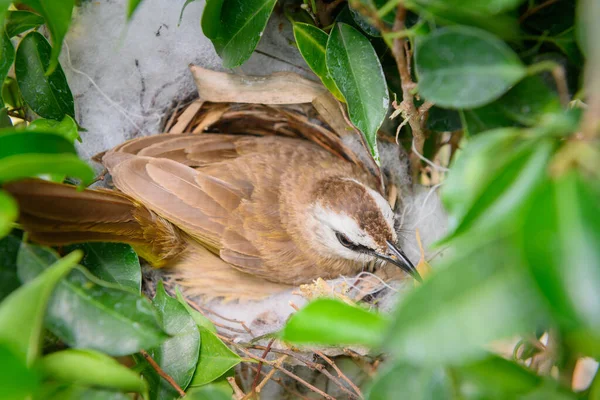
[(20, 21), (67, 128), (22, 312), (412, 382), (8, 213), (18, 381), (332, 322), (122, 322)]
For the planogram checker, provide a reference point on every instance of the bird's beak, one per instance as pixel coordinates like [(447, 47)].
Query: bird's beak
[(397, 257)]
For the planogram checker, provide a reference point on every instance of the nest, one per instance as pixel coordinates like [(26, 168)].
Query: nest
[(288, 105)]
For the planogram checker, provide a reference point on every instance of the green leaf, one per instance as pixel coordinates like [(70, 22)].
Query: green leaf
[(332, 322), (19, 21), (22, 312), (356, 71), (462, 67), (5, 121), (66, 128), (364, 25), (242, 24), (4, 4), (178, 355), (18, 381), (9, 281), (7, 57), (211, 19), (90, 368), (413, 382), (492, 182), (123, 322), (215, 359), (48, 95), (312, 42), (132, 5), (200, 319), (11, 94), (58, 18), (74, 392), (482, 119), (211, 391), (474, 7), (8, 213), (479, 295), (112, 262), (560, 241), (26, 154)]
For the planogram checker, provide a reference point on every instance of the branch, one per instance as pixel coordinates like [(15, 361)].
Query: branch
[(162, 373)]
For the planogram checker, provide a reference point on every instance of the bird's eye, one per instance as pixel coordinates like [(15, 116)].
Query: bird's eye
[(344, 240)]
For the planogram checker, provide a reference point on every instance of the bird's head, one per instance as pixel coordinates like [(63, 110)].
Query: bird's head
[(354, 222)]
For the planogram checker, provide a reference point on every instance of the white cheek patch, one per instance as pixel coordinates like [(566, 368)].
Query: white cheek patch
[(331, 222)]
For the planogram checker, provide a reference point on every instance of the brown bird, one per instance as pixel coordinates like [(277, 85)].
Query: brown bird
[(230, 215)]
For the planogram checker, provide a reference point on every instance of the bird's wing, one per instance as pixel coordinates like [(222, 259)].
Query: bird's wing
[(214, 187)]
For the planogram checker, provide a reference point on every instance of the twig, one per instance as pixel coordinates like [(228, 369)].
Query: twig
[(162, 373), (274, 365), (280, 383), (535, 9), (340, 373), (268, 377), (260, 364), (237, 392)]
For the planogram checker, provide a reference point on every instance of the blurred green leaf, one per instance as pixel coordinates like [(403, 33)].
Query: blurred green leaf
[(18, 381), (19, 21), (48, 95), (132, 5), (412, 382), (493, 180), (122, 322), (209, 392), (482, 119), (476, 7), (5, 121), (112, 262), (11, 93), (312, 42), (7, 57), (58, 19), (66, 128), (9, 281), (200, 319), (22, 312), (480, 294), (90, 368), (242, 23), (211, 18), (74, 392), (356, 71), (28, 154), (332, 322), (215, 359), (462, 67), (178, 355), (9, 211), (4, 4), (583, 22), (560, 241)]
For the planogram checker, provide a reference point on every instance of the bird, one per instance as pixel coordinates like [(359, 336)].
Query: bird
[(230, 216)]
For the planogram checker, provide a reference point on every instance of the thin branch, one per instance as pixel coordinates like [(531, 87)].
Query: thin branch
[(162, 373), (269, 376), (203, 311), (535, 9), (264, 355), (340, 373), (280, 383), (237, 392)]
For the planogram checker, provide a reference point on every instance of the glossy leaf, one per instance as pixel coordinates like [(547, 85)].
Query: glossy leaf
[(413, 382), (332, 322), (4, 4), (215, 359), (132, 5), (8, 213), (67, 128), (242, 24), (364, 24), (560, 241), (48, 96), (9, 281), (7, 57), (356, 71), (178, 355), (461, 67), (312, 42), (123, 322), (479, 295), (211, 18), (200, 319), (22, 312), (19, 21), (58, 19), (18, 381), (90, 368), (112, 262)]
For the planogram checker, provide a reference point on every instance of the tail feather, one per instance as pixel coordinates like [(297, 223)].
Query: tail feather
[(57, 214)]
